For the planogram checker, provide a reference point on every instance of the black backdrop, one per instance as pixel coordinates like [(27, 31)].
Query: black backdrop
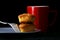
[(9, 10)]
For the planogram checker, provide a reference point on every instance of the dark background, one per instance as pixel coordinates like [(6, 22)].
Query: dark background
[(9, 10)]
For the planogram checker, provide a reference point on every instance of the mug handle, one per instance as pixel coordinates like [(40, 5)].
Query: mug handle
[(55, 16)]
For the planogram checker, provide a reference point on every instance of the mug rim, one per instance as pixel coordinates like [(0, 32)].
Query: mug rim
[(37, 6)]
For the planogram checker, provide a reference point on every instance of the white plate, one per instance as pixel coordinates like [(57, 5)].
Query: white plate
[(10, 30), (6, 30), (36, 30)]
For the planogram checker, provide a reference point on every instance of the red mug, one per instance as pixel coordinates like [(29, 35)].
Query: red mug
[(41, 13)]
